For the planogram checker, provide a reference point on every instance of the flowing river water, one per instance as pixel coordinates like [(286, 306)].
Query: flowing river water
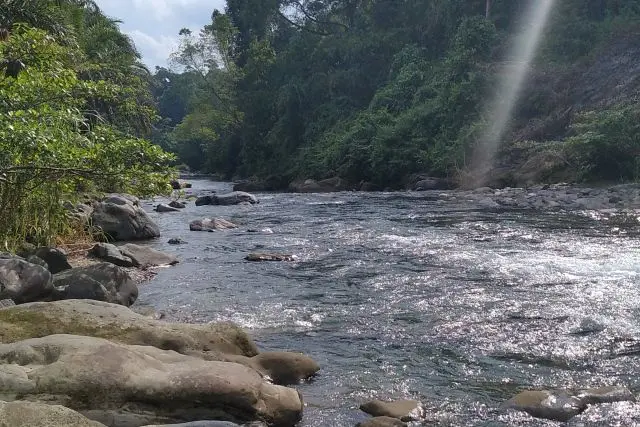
[(407, 295)]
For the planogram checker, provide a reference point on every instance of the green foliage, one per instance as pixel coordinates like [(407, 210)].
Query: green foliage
[(366, 90), (49, 148), (606, 144)]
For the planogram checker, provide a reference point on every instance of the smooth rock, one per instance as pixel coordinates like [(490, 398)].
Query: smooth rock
[(111, 253), (120, 217), (176, 204), (284, 368), (33, 414), (102, 282), (269, 257), (144, 256), (165, 208), (211, 341), (34, 259), (55, 258), (553, 405), (382, 422), (404, 410), (24, 282), (208, 224), (99, 376), (233, 198)]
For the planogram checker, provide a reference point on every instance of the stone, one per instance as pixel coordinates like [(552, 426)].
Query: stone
[(101, 281), (120, 217), (233, 198), (107, 381), (24, 282), (166, 208), (111, 253), (176, 241), (431, 183), (178, 184), (208, 224), (382, 422), (283, 368), (269, 257), (329, 185), (199, 424), (404, 410), (34, 259), (144, 256), (177, 205), (33, 414), (55, 258), (212, 341)]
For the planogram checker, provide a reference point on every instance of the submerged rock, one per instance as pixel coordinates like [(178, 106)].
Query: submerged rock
[(109, 381), (269, 257), (404, 410), (562, 405), (382, 422), (176, 241), (33, 414)]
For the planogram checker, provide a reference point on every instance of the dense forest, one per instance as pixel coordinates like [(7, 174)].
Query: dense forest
[(76, 114), (373, 91)]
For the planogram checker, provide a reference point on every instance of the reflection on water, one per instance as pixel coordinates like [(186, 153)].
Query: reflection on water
[(404, 295)]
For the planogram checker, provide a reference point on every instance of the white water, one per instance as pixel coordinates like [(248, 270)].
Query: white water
[(508, 93)]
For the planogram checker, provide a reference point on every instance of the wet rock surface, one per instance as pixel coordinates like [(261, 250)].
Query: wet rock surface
[(404, 410), (211, 224)]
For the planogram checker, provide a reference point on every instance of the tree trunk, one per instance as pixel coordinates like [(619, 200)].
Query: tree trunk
[(487, 10)]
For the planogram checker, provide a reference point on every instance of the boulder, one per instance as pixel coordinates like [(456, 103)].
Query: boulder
[(282, 367), (55, 258), (33, 414), (178, 184), (33, 259), (208, 224), (102, 282), (212, 341), (120, 217), (233, 198), (328, 185), (432, 183), (166, 208), (269, 257), (382, 422), (110, 253), (404, 410), (109, 381), (23, 282), (144, 256), (176, 204), (562, 405)]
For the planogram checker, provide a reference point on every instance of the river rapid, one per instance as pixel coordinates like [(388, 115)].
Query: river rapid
[(417, 295)]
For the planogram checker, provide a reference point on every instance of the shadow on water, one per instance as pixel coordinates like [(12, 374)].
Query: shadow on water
[(398, 295)]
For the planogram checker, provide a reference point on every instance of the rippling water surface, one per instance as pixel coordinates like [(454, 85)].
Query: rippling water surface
[(405, 295)]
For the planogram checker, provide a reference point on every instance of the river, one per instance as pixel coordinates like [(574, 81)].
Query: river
[(407, 295)]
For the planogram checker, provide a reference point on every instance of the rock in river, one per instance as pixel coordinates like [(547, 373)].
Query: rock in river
[(233, 198), (111, 383), (120, 217), (269, 257), (144, 256), (166, 208), (208, 224), (404, 410)]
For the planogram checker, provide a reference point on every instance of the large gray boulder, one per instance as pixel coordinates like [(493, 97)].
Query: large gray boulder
[(55, 258), (120, 217), (22, 281), (110, 253), (116, 383), (144, 256), (404, 410), (233, 198), (329, 185), (101, 281), (33, 414)]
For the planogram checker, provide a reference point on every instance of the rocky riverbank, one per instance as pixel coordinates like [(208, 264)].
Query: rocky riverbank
[(73, 353)]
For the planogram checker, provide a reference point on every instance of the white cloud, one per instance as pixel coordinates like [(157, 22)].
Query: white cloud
[(154, 24)]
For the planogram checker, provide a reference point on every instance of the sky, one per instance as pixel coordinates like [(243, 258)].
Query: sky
[(154, 24)]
